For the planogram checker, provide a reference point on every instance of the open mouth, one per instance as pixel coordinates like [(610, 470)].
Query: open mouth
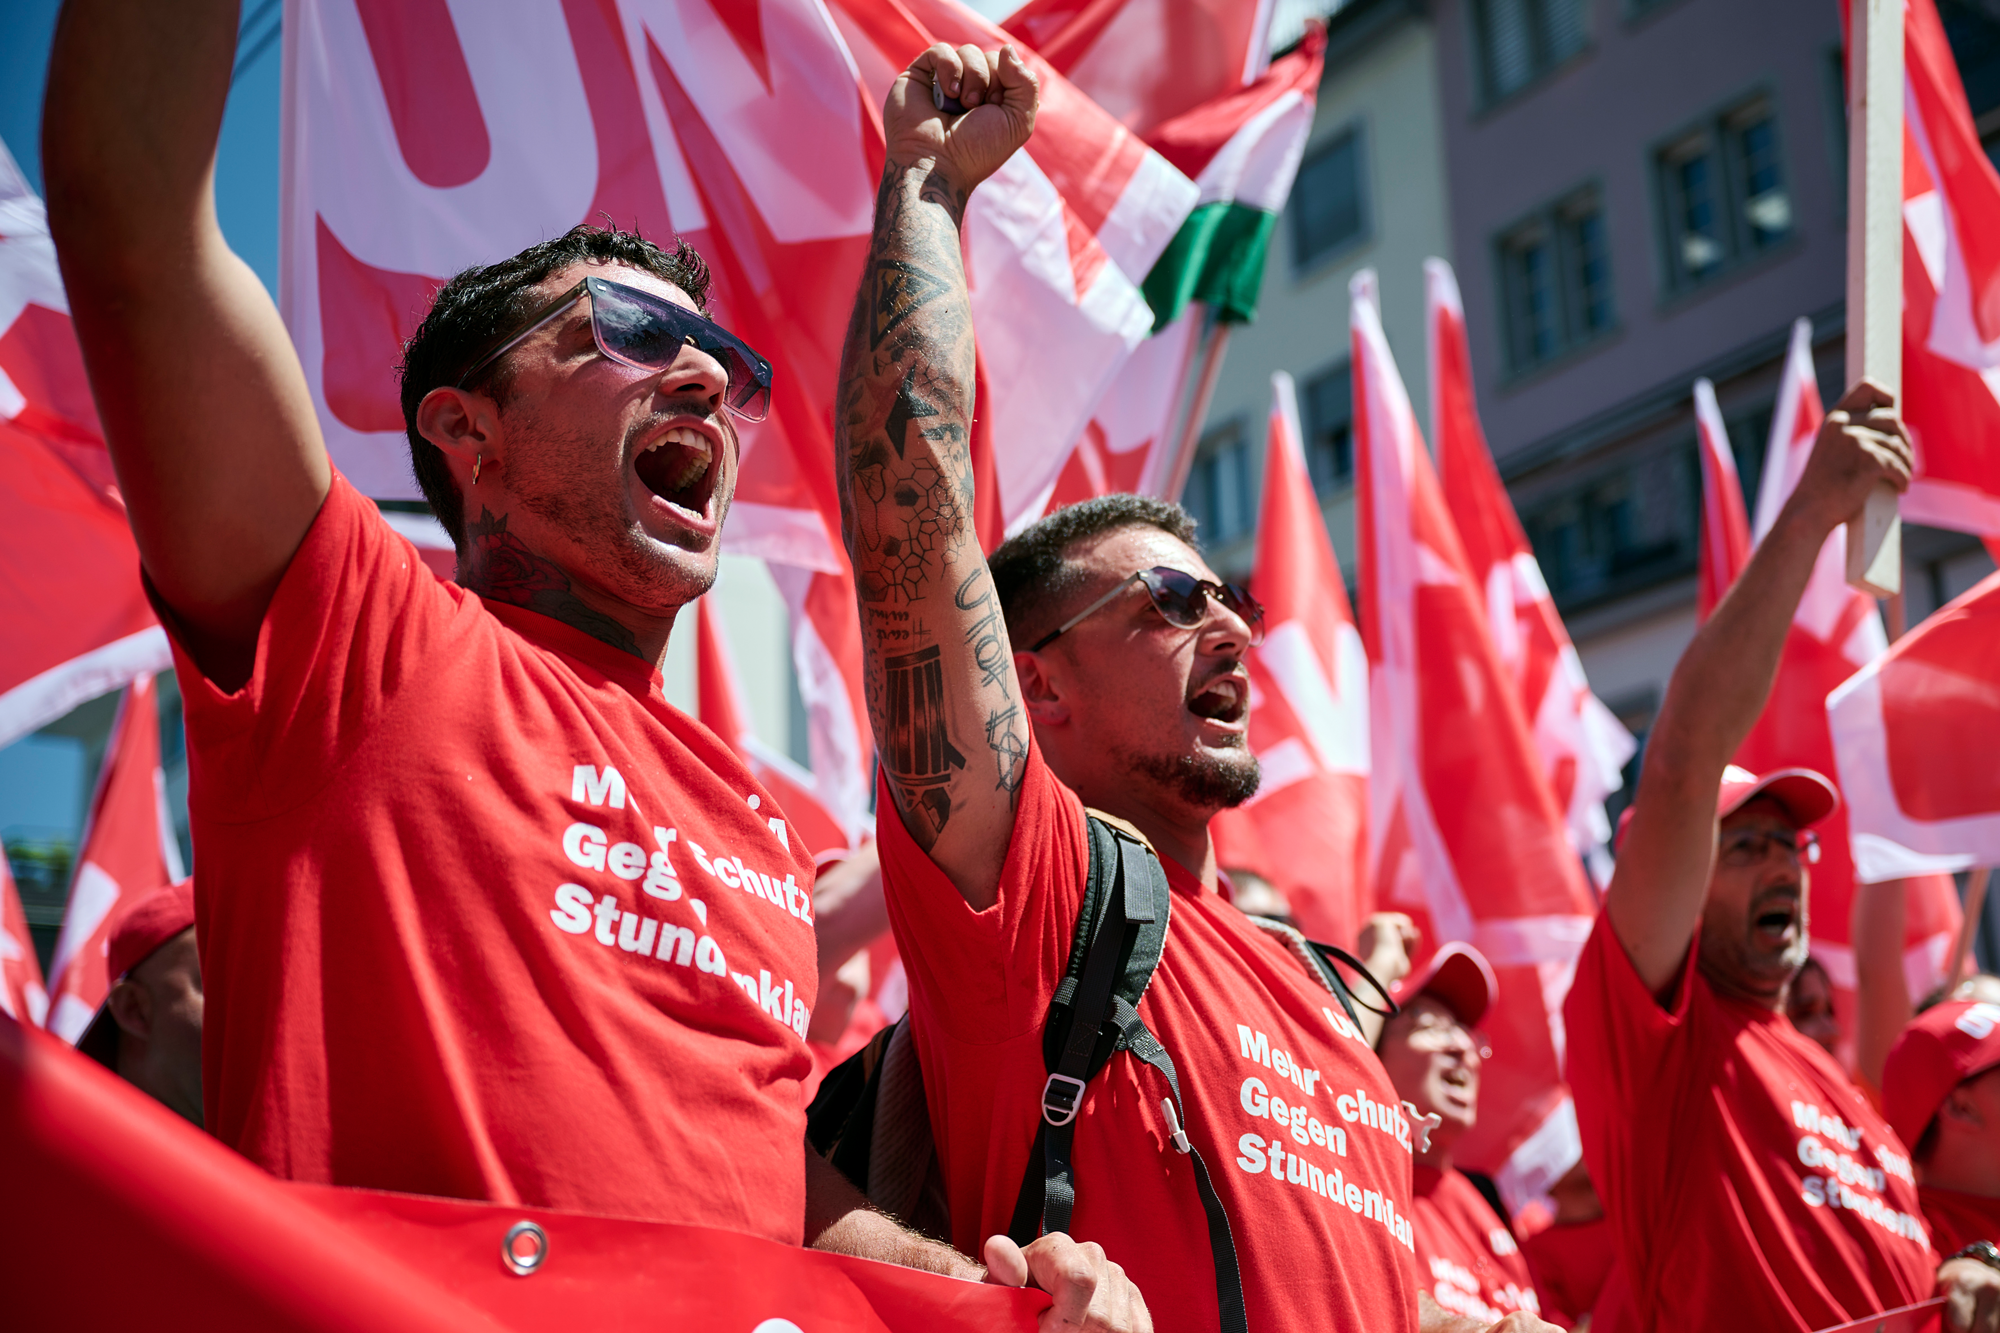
[(679, 467), (1775, 922), (1224, 699)]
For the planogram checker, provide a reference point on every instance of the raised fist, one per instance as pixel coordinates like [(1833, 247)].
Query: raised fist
[(1861, 443), (998, 92)]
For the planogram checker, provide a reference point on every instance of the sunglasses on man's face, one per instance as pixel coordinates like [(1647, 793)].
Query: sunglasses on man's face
[(1180, 598), (644, 331)]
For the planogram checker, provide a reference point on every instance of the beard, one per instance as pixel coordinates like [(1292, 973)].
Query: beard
[(1208, 780)]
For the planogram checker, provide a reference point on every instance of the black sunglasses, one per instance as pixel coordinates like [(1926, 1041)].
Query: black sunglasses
[(647, 332), (1180, 597)]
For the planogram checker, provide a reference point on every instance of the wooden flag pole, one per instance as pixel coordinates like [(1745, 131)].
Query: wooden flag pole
[(1182, 461), (1875, 262)]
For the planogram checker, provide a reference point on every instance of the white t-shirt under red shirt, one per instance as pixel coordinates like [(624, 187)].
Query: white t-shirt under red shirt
[(1298, 1124), (1466, 1257), (482, 915), (1750, 1183)]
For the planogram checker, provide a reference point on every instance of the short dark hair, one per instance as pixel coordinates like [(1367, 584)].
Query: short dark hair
[(480, 304), (1031, 573)]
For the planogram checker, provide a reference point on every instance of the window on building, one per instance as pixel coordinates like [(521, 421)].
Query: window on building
[(1623, 530), (1555, 279), (1329, 429), (1328, 207), (1722, 187), (1220, 490), (1521, 40)]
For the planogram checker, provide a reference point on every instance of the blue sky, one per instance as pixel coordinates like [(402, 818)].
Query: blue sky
[(45, 780)]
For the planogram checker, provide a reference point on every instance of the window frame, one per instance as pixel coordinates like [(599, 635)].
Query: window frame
[(1230, 435), (1354, 129), (1556, 217), (1486, 97), (1340, 482), (1720, 127)]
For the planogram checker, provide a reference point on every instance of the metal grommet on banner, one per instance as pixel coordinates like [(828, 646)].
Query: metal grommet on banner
[(525, 1248)]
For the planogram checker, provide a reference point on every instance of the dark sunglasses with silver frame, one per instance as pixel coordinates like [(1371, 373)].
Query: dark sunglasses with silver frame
[(1179, 597), (644, 331)]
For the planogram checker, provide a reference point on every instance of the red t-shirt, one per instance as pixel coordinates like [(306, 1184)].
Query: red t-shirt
[(482, 915), (1288, 1114), (1750, 1183), (1570, 1262), (1959, 1219), (1466, 1257)]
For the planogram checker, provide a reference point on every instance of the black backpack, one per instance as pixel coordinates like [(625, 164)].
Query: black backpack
[(869, 1119)]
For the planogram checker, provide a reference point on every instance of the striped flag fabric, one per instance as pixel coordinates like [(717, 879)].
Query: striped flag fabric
[(1306, 830), (22, 995), (1584, 748), (128, 849), (1464, 831), (74, 621)]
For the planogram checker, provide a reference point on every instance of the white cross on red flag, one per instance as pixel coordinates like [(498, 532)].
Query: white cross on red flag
[(128, 850), (1306, 830), (1583, 747), (1464, 830)]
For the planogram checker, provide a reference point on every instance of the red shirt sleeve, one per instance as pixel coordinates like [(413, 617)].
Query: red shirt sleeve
[(356, 615)]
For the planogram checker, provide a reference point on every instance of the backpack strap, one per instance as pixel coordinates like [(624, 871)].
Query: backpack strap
[(1121, 931)]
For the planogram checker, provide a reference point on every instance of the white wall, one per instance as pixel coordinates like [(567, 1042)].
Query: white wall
[(754, 617)]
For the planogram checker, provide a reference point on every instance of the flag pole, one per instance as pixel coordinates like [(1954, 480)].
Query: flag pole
[(1975, 908), (1875, 262), (1182, 462)]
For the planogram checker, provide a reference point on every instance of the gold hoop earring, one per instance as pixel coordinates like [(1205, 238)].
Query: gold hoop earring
[(475, 468)]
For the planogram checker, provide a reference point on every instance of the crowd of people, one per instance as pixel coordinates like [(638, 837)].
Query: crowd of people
[(480, 914)]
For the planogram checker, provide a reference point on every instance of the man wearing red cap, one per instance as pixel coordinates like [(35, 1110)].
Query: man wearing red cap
[(1941, 1092), (1749, 1182), (1466, 1257), (148, 1031)]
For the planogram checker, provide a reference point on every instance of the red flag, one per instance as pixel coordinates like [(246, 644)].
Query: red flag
[(128, 849), (1834, 632), (1725, 527), (1916, 731), (21, 995), (1582, 746), (1464, 831), (1951, 291), (74, 622), (1306, 829), (719, 701)]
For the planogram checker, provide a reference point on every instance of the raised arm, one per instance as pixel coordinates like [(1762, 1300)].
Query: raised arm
[(207, 414), (1723, 680), (941, 689)]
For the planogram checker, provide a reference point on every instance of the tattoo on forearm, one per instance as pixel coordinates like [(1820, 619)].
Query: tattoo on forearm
[(500, 566), (916, 745), (987, 632)]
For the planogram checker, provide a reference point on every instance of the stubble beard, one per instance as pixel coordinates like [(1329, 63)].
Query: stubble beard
[(1206, 780)]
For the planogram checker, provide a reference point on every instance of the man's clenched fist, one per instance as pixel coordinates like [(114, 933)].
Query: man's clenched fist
[(999, 94)]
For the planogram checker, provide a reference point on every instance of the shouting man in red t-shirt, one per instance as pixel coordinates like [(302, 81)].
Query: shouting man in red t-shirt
[(1096, 662), (1750, 1183), (480, 913), (1466, 1256)]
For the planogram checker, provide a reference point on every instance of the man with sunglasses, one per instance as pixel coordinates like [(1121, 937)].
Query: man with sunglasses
[(1096, 661), (481, 913), (1749, 1183)]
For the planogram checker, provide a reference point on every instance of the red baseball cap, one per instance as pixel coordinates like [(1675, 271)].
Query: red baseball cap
[(1459, 975), (1940, 1049), (1807, 796), (140, 929)]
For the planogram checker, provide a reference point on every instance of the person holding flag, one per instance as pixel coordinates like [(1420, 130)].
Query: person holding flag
[(480, 913), (1097, 661), (1749, 1181)]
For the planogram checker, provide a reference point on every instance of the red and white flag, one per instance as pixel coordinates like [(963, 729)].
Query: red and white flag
[(1915, 732), (414, 148), (128, 849), (1464, 830), (1951, 291), (74, 621), (1835, 631), (1306, 830), (22, 997), (1725, 527), (1584, 748), (720, 708)]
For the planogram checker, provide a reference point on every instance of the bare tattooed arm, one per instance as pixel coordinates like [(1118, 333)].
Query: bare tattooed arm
[(941, 689)]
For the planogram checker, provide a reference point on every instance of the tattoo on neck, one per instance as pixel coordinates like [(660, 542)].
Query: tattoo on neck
[(500, 566)]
